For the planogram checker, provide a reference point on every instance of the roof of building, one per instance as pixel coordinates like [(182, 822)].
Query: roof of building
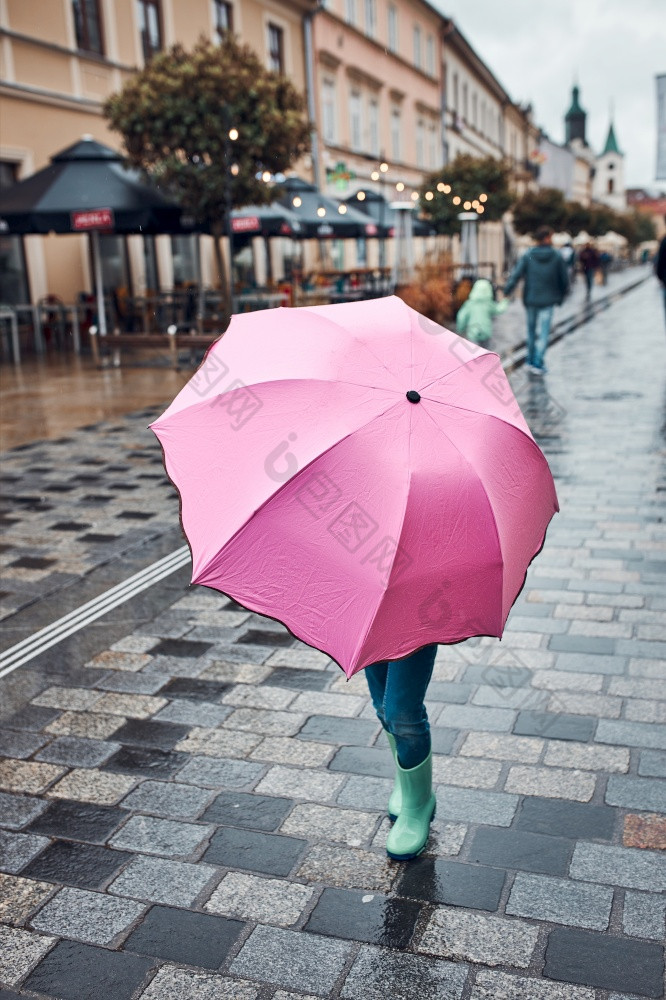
[(611, 143), (575, 110)]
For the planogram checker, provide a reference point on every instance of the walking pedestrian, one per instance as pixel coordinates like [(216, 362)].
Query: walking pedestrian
[(605, 261), (398, 689), (545, 285), (569, 257), (660, 267), (475, 316), (589, 262)]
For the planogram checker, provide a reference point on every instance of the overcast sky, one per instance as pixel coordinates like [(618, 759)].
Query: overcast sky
[(613, 47)]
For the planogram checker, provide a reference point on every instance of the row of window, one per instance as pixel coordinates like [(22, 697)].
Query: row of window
[(90, 34), (423, 57), (365, 130), (476, 112)]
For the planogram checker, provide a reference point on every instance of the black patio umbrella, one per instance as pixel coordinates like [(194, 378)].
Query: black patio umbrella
[(322, 217), (266, 220), (377, 207), (88, 188)]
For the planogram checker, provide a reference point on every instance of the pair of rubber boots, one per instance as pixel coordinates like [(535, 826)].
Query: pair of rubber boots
[(412, 806)]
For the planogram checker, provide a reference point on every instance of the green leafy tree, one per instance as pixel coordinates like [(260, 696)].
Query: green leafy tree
[(636, 226), (545, 207), (176, 115), (577, 218), (467, 177)]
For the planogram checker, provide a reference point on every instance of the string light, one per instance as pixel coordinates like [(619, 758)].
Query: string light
[(360, 195), (429, 195), (480, 209), (342, 209), (235, 169), (266, 176), (296, 202), (400, 186), (233, 134), (321, 212), (374, 175), (414, 196), (467, 205), (457, 200), (483, 197), (383, 167)]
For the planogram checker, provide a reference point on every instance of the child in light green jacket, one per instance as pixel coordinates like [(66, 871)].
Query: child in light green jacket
[(475, 316)]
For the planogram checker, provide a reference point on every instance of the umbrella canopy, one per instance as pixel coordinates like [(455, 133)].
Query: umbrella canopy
[(361, 474), (88, 187), (265, 220), (377, 207), (322, 217)]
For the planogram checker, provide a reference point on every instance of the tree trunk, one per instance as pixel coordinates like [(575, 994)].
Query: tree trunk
[(224, 277)]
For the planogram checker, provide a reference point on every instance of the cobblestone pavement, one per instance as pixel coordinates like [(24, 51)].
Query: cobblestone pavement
[(192, 803)]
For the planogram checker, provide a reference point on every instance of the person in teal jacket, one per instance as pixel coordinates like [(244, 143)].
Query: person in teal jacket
[(475, 316)]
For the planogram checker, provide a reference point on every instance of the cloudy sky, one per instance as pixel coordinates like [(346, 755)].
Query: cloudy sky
[(613, 47)]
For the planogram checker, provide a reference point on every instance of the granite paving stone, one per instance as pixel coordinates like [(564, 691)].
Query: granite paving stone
[(491, 984), (376, 761), (646, 794), (255, 812), (265, 900), (193, 713), (172, 983), (27, 776), (150, 835), (78, 821), (362, 792), (319, 822), (92, 785), (217, 772), (20, 896), (168, 799), (286, 750), (254, 851), (174, 883), (360, 916), (586, 756), (477, 718), (218, 742), (18, 810), (551, 782), (147, 761), (409, 975), (20, 744), (470, 773), (348, 732), (31, 717), (148, 733), (87, 866), (92, 917), (555, 724), (567, 819), (646, 830), (295, 961), (631, 734), (644, 915), (639, 710), (126, 683), (475, 937), (441, 880), (525, 749), (347, 867), (313, 785), (189, 938), (605, 961), (265, 722), (250, 696), (248, 673), (524, 850), (77, 752), (614, 865), (561, 901), (86, 724), (67, 697), (298, 679), (132, 705), (17, 849), (472, 805), (20, 950)]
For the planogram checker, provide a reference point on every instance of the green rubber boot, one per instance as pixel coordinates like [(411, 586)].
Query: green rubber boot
[(395, 800), (409, 834)]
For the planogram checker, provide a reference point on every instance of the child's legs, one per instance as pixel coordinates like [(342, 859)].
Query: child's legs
[(403, 709), (531, 333)]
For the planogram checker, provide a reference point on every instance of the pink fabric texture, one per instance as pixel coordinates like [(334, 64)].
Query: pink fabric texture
[(313, 491)]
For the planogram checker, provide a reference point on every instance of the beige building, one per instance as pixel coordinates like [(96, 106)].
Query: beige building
[(60, 60)]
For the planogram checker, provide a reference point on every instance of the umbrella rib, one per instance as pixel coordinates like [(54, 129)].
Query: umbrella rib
[(443, 378), (491, 416), (358, 341)]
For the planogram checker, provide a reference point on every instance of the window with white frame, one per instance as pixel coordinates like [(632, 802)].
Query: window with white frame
[(355, 120), (432, 145), (396, 133), (392, 28), (275, 48), (420, 143), (350, 11), (371, 18), (223, 15), (475, 105), (373, 126), (465, 109), (483, 117), (328, 110), (430, 55), (417, 46), (455, 96)]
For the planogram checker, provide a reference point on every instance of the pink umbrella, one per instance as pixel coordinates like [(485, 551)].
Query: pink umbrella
[(361, 474)]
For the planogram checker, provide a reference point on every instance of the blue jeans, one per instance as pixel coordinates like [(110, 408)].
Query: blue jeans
[(398, 690), (538, 331)]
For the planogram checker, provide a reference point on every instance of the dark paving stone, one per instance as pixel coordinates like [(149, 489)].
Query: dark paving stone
[(186, 687), (577, 820), (8, 995), (360, 916), (147, 733), (117, 468), (73, 971), (93, 498), (581, 643), (439, 880), (19, 744), (199, 939), (328, 729), (449, 692), (443, 739), (257, 637), (377, 761), (85, 477), (33, 717), (530, 852), (78, 821), (32, 562), (69, 526), (497, 676), (87, 866), (132, 515), (298, 680), (255, 812), (97, 538), (267, 853), (605, 961), (180, 647), (153, 763), (232, 605), (555, 726), (58, 488)]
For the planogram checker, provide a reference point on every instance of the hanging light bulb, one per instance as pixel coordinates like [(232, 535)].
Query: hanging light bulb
[(266, 176), (235, 169), (429, 195), (342, 209), (383, 167), (374, 176), (414, 196), (233, 134), (447, 189), (296, 202), (400, 186), (360, 195), (456, 200), (467, 205), (476, 205), (440, 187), (483, 197), (480, 209), (321, 211)]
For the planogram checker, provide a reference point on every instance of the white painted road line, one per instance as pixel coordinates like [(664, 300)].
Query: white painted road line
[(52, 634)]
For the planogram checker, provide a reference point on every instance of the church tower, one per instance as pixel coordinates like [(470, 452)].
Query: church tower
[(608, 185), (575, 119)]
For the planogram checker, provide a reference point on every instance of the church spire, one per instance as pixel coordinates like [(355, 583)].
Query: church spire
[(575, 118), (611, 142)]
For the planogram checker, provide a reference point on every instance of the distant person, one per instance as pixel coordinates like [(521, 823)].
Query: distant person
[(568, 255), (660, 267), (545, 284), (475, 316), (589, 262), (605, 261)]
